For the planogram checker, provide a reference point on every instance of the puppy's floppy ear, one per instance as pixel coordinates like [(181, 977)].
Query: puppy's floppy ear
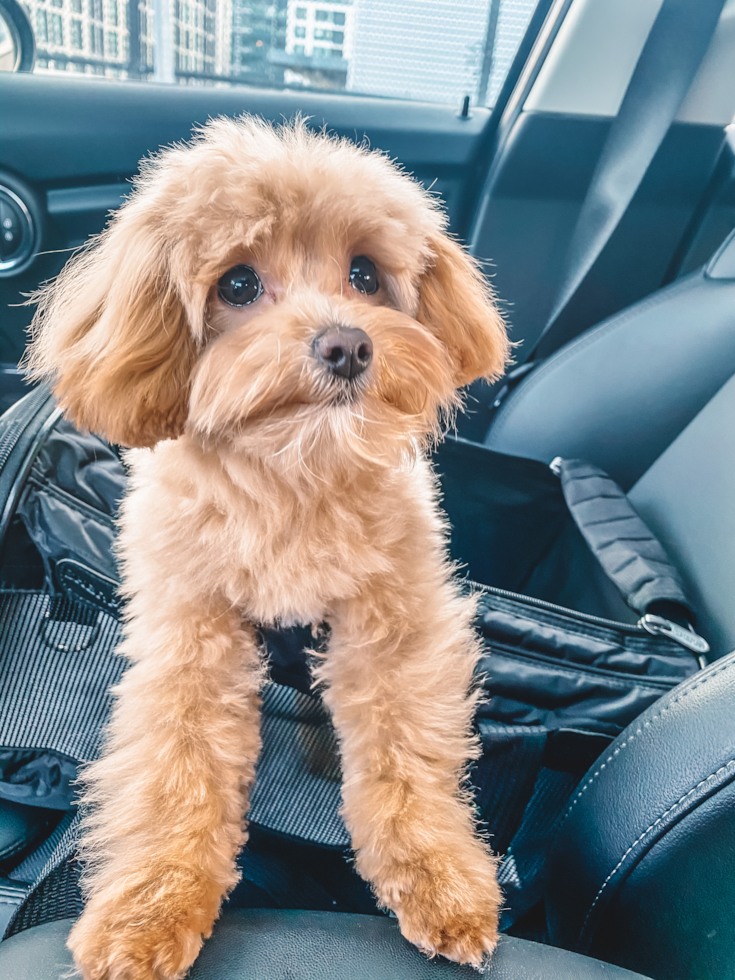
[(457, 305), (111, 335)]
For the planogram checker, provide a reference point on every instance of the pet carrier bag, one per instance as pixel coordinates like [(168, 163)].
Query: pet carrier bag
[(585, 623)]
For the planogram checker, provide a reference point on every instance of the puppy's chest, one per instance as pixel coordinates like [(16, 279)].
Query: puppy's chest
[(294, 565)]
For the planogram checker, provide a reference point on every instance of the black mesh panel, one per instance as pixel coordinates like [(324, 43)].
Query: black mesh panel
[(58, 897)]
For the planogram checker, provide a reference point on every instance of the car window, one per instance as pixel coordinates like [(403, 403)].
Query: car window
[(429, 50)]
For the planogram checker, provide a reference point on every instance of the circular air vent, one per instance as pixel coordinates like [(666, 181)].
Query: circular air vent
[(19, 232)]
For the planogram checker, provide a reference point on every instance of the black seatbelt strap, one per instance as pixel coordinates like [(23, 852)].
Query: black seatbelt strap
[(630, 554), (666, 68)]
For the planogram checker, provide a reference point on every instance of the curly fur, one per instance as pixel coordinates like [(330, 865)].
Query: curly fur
[(266, 491)]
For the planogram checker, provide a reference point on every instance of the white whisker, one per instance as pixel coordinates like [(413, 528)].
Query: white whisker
[(339, 268)]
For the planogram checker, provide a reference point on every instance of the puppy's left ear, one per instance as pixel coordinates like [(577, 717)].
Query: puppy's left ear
[(457, 305)]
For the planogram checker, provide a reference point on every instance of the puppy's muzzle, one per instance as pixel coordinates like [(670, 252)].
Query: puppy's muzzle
[(346, 352)]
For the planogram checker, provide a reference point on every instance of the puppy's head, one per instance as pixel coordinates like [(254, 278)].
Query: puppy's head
[(270, 287)]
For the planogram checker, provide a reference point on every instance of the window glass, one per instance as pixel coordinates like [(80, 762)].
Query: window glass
[(430, 50), (41, 25), (57, 30)]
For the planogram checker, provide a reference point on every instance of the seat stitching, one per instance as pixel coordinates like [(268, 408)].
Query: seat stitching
[(616, 752), (656, 822)]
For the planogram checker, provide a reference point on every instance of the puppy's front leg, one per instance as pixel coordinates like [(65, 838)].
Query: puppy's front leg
[(168, 796), (399, 671)]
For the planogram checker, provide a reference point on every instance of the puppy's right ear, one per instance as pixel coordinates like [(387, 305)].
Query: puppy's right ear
[(111, 335)]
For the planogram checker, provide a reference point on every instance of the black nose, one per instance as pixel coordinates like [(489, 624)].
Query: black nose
[(346, 351)]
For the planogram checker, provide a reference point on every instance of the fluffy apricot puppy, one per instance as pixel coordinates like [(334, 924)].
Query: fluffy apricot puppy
[(278, 322)]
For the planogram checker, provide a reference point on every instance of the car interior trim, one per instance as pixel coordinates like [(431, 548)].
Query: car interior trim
[(111, 125), (595, 53), (589, 67), (98, 197), (511, 111)]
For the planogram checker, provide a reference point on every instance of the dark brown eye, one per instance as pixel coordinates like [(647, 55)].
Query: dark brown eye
[(363, 275), (239, 286)]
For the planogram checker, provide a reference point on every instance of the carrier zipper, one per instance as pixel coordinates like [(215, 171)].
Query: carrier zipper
[(659, 626), (655, 625), (21, 476), (31, 419), (9, 439), (27, 409), (553, 607)]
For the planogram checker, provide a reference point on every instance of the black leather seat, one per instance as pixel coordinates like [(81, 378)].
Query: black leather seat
[(277, 945), (647, 395), (686, 497), (621, 392), (642, 871)]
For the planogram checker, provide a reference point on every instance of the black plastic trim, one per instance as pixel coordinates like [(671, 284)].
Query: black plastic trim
[(87, 131)]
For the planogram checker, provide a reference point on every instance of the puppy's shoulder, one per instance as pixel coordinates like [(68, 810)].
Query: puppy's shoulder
[(418, 481), (177, 466), (173, 481)]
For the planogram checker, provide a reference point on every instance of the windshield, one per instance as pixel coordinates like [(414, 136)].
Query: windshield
[(430, 50)]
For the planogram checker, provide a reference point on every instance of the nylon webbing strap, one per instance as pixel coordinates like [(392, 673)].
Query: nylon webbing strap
[(666, 68), (632, 557), (50, 853), (505, 775)]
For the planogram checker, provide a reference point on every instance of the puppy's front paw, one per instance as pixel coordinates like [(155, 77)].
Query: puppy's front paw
[(452, 912), (142, 937)]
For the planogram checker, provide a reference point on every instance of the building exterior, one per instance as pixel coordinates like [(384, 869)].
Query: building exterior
[(258, 29), (115, 38), (201, 36), (318, 42), (429, 50), (80, 35), (435, 51), (318, 29)]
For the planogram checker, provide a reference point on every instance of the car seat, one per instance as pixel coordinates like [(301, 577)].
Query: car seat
[(642, 868), (621, 392), (642, 872)]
